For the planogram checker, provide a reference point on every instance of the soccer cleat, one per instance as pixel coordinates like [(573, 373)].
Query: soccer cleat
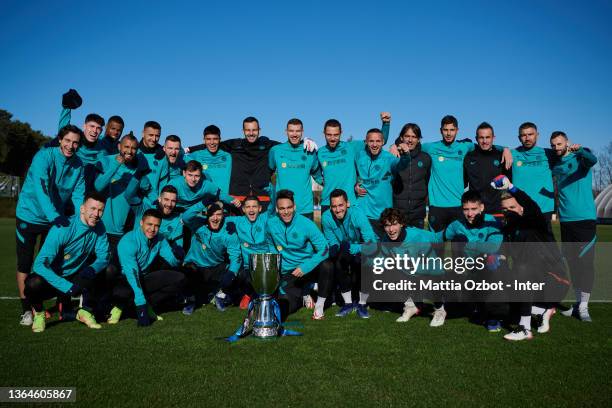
[(244, 302), (544, 326), (409, 311), (579, 313), (317, 316), (362, 311), (115, 315), (569, 312), (493, 326), (518, 334), (439, 316), (26, 318), (309, 303), (345, 310), (189, 309), (87, 319), (38, 322)]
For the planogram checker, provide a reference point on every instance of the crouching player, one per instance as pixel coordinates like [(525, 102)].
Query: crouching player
[(140, 282), (345, 229), (302, 248), (63, 265), (207, 272)]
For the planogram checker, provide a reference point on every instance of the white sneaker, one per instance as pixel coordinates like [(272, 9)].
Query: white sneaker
[(520, 333), (438, 318), (409, 311), (26, 318), (309, 303), (569, 312), (544, 327), (583, 314), (317, 316)]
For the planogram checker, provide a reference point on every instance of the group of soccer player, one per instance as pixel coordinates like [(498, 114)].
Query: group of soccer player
[(135, 228)]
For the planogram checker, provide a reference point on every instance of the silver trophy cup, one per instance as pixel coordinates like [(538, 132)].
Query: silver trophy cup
[(265, 276)]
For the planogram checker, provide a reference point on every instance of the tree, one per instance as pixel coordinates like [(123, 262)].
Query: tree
[(18, 144), (602, 173)]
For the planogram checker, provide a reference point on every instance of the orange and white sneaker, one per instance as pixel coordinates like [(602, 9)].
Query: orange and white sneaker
[(317, 316), (309, 303), (518, 334)]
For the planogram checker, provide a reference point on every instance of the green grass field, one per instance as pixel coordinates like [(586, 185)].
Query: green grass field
[(338, 362)]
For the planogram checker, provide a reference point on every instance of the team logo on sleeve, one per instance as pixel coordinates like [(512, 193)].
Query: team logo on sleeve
[(205, 166), (324, 164), (67, 257), (440, 158), (246, 244), (284, 165), (279, 248), (204, 247)]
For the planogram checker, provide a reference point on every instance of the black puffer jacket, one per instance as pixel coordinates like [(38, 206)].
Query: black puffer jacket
[(410, 184)]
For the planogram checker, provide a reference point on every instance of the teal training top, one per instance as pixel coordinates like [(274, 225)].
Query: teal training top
[(205, 191), (483, 238), (531, 173), (171, 228), (354, 228), (415, 243), (159, 173), (575, 184), (175, 170), (294, 168), (218, 166), (300, 243), (209, 248), (52, 181), (67, 250), (252, 235), (137, 253)]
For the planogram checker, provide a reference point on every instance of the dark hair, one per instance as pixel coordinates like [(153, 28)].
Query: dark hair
[(173, 138), (485, 125), (338, 193), (449, 120), (94, 195), (294, 121), (558, 133), (70, 129), (332, 123), (94, 117), (116, 119), (152, 212), (285, 194), (411, 126), (251, 198), (212, 130), (373, 130), (152, 124), (471, 196), (129, 136), (250, 119), (168, 189), (527, 125), (193, 165), (391, 215)]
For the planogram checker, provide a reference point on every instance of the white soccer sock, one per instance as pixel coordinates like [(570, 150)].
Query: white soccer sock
[(409, 303), (526, 322), (584, 300), (439, 308), (363, 298), (346, 296), (319, 305), (537, 310)]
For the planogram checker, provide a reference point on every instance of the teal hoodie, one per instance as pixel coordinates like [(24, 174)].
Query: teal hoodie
[(354, 228), (531, 173), (484, 237), (208, 247), (217, 166)]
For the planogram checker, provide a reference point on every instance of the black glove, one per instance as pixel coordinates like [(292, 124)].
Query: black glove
[(230, 228), (88, 273), (61, 221), (178, 252), (345, 247), (143, 316), (75, 290), (71, 99), (333, 250)]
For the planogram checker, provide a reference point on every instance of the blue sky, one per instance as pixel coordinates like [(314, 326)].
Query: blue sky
[(193, 64)]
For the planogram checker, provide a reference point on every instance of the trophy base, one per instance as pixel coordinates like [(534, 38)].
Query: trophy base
[(265, 332)]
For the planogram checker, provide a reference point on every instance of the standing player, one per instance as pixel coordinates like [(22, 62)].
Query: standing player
[(155, 157), (109, 143), (54, 180), (572, 171), (217, 164), (294, 167), (345, 229), (175, 156), (64, 264)]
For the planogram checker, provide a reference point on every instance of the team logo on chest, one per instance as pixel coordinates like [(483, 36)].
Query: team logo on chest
[(419, 164), (246, 244), (204, 247), (67, 257), (205, 166), (279, 248), (440, 158), (324, 164), (496, 162), (519, 163), (284, 165)]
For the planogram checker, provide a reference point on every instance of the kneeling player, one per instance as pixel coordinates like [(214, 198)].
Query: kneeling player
[(345, 229), (138, 250), (63, 265)]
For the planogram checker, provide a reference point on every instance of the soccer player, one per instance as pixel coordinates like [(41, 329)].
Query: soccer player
[(193, 188), (411, 179), (573, 173), (345, 229), (64, 265), (481, 235), (205, 266), (217, 164), (53, 182), (140, 282), (531, 170), (175, 156), (524, 222), (109, 143), (337, 160), (302, 248), (294, 167), (482, 165), (153, 153)]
